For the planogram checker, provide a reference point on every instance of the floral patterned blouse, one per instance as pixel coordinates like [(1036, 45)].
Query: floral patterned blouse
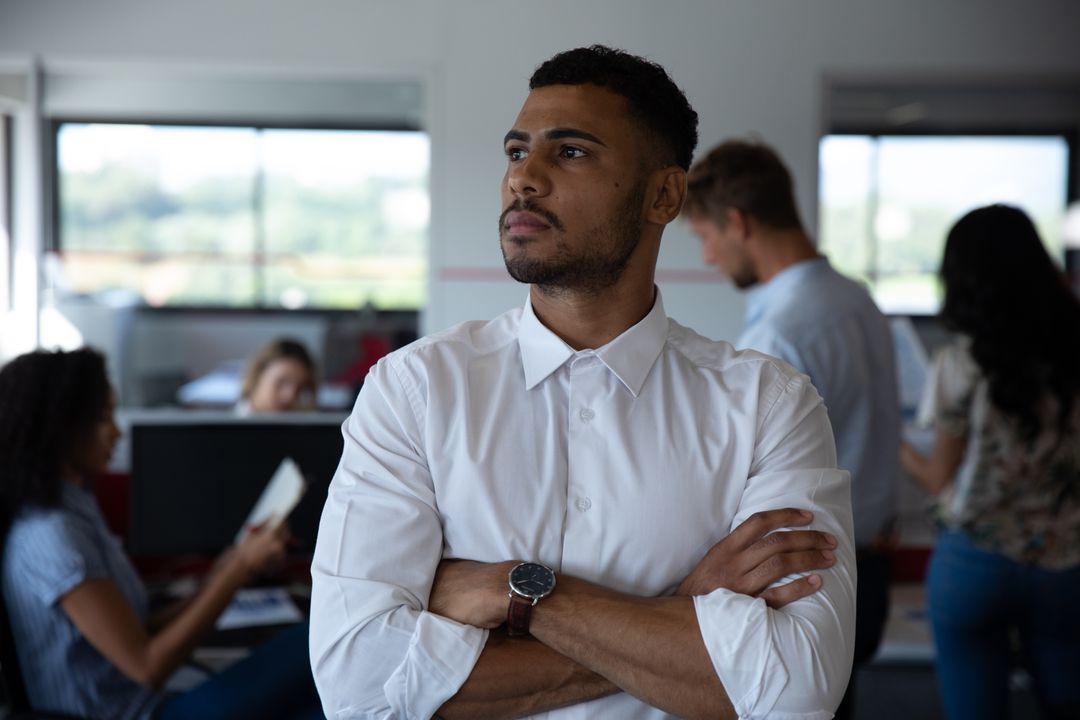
[(1012, 496)]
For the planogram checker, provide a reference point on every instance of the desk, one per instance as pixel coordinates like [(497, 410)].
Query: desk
[(907, 637), (222, 648)]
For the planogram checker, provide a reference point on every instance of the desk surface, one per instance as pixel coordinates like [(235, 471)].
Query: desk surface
[(908, 638)]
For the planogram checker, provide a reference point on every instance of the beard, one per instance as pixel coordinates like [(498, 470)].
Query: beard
[(744, 278), (592, 264)]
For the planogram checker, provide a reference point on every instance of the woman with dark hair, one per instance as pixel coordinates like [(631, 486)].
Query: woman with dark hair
[(1005, 467), (77, 609)]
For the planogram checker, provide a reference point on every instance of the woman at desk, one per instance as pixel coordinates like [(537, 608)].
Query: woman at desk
[(280, 377), (1005, 467), (77, 609)]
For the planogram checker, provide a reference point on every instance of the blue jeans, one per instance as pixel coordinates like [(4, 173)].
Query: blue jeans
[(978, 602), (273, 682)]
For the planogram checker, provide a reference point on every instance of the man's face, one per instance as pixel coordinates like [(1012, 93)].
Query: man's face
[(574, 189), (724, 250)]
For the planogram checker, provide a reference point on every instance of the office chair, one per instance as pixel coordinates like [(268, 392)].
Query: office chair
[(18, 701)]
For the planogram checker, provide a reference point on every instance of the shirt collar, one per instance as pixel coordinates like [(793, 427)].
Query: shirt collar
[(630, 356), (761, 297)]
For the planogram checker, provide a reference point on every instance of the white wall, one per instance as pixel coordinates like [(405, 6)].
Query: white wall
[(747, 65)]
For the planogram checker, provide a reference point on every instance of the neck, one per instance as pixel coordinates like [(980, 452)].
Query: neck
[(777, 250), (591, 320), (69, 475)]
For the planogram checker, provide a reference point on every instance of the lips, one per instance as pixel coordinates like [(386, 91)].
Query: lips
[(524, 223)]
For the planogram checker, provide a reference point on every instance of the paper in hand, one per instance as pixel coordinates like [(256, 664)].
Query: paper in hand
[(281, 495)]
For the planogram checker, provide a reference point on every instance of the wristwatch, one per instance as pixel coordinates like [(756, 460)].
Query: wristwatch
[(529, 582)]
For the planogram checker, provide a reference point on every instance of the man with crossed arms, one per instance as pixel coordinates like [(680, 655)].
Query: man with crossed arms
[(569, 511)]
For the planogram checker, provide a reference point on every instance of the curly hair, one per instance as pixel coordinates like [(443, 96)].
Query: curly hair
[(1005, 293), (652, 97), (51, 402), (746, 175)]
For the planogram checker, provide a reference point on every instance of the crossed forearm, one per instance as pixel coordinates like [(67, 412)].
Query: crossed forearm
[(521, 676), (650, 648), (591, 641)]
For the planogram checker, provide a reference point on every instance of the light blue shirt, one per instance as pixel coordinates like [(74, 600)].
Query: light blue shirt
[(48, 553), (828, 327)]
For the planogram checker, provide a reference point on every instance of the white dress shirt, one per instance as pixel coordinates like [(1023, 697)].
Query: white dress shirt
[(496, 441)]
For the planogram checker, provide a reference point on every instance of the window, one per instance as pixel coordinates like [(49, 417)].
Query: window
[(181, 215), (888, 201)]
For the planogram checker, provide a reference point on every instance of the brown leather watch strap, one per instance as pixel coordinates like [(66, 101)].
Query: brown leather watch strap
[(518, 616)]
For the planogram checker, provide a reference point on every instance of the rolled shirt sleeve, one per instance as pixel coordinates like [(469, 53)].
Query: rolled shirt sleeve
[(53, 553), (375, 651), (793, 662)]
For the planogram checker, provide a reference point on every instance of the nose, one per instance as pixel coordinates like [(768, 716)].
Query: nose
[(288, 396), (528, 177)]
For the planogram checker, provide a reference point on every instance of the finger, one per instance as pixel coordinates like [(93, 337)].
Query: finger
[(778, 543), (784, 565), (762, 523), (793, 540), (270, 523), (781, 595)]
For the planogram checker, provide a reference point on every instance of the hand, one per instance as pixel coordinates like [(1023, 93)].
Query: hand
[(472, 593), (910, 457), (263, 547), (753, 557)]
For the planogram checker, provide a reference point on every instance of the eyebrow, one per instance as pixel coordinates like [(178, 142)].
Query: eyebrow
[(555, 134)]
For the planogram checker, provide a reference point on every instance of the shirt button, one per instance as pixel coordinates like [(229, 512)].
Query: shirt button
[(583, 504), (586, 414)]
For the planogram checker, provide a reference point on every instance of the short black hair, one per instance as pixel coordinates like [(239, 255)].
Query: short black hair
[(651, 95)]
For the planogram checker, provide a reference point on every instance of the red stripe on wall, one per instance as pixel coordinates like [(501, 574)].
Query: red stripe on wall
[(481, 274)]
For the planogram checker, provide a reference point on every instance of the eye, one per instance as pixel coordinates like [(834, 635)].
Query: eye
[(514, 153), (571, 152)]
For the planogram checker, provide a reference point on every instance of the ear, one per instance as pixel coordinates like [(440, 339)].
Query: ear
[(666, 193), (737, 222)]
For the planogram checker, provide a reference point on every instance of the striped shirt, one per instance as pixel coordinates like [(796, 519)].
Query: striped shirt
[(48, 553)]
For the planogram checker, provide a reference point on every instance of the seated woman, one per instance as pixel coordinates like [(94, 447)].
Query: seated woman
[(280, 377), (1005, 467), (78, 610)]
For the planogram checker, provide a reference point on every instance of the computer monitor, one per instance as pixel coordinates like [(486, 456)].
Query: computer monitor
[(194, 482)]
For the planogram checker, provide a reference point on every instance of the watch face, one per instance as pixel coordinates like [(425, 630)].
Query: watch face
[(532, 580)]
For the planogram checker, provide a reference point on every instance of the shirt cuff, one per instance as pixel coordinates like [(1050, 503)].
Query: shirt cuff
[(738, 636), (441, 656)]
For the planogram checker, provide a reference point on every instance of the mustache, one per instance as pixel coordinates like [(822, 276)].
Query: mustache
[(521, 205)]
